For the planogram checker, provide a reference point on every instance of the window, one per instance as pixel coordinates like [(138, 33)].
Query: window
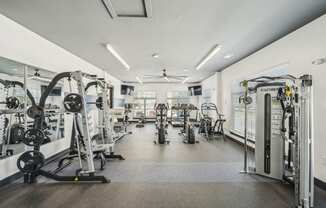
[(144, 104), (238, 119)]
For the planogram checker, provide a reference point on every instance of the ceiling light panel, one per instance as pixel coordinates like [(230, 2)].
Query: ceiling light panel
[(128, 8), (210, 55), (117, 56)]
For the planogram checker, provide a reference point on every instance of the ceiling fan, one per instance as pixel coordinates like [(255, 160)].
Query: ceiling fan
[(166, 76), (35, 76)]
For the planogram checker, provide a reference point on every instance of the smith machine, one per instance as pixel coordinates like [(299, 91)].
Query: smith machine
[(31, 162)]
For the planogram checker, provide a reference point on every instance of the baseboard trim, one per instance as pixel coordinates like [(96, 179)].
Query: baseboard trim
[(242, 137), (239, 142), (16, 176)]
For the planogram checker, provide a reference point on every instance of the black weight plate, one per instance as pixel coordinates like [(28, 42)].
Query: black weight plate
[(73, 103), (12, 102), (33, 137), (99, 103), (30, 161)]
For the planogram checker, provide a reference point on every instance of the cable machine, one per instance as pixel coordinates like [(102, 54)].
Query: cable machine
[(284, 132)]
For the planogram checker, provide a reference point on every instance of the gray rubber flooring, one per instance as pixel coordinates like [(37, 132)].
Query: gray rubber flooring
[(174, 175)]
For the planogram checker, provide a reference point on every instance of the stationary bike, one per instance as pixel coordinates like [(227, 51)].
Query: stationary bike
[(161, 111)]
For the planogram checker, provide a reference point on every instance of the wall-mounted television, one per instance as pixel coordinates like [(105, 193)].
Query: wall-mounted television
[(56, 91), (127, 90), (195, 90)]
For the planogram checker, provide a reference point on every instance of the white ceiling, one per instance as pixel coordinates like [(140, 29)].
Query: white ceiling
[(181, 31)]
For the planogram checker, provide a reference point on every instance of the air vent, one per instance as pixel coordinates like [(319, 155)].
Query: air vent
[(128, 8)]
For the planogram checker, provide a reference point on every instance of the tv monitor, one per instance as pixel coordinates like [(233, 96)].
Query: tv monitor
[(127, 90), (195, 90)]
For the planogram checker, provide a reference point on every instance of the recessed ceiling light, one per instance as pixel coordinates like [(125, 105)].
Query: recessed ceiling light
[(185, 70), (155, 55), (117, 56), (210, 55), (227, 56)]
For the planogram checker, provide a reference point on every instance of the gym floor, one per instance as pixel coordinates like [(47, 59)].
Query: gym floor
[(175, 175)]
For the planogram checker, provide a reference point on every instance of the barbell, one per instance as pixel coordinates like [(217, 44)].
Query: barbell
[(73, 103)]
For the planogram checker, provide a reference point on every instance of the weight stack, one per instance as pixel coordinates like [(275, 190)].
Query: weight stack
[(269, 143)]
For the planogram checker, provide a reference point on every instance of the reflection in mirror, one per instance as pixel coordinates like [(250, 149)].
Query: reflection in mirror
[(12, 97), (37, 81), (14, 102)]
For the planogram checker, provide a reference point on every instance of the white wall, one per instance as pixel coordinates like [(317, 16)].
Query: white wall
[(212, 84), (298, 49), (22, 45)]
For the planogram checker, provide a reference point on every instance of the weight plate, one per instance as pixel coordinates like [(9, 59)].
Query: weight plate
[(33, 137), (34, 111), (12, 102), (99, 103), (30, 161), (73, 103)]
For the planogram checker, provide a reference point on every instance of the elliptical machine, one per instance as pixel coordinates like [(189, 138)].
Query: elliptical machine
[(161, 111), (207, 125)]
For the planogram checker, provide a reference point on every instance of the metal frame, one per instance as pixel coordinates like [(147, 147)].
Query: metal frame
[(303, 161), (104, 122), (84, 174)]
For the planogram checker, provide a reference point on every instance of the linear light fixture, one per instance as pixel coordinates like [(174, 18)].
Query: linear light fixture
[(117, 56), (214, 50), (139, 80)]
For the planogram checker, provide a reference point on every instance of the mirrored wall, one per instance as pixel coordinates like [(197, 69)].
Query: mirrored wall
[(20, 84)]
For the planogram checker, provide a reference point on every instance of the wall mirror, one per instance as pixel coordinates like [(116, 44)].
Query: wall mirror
[(14, 101)]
